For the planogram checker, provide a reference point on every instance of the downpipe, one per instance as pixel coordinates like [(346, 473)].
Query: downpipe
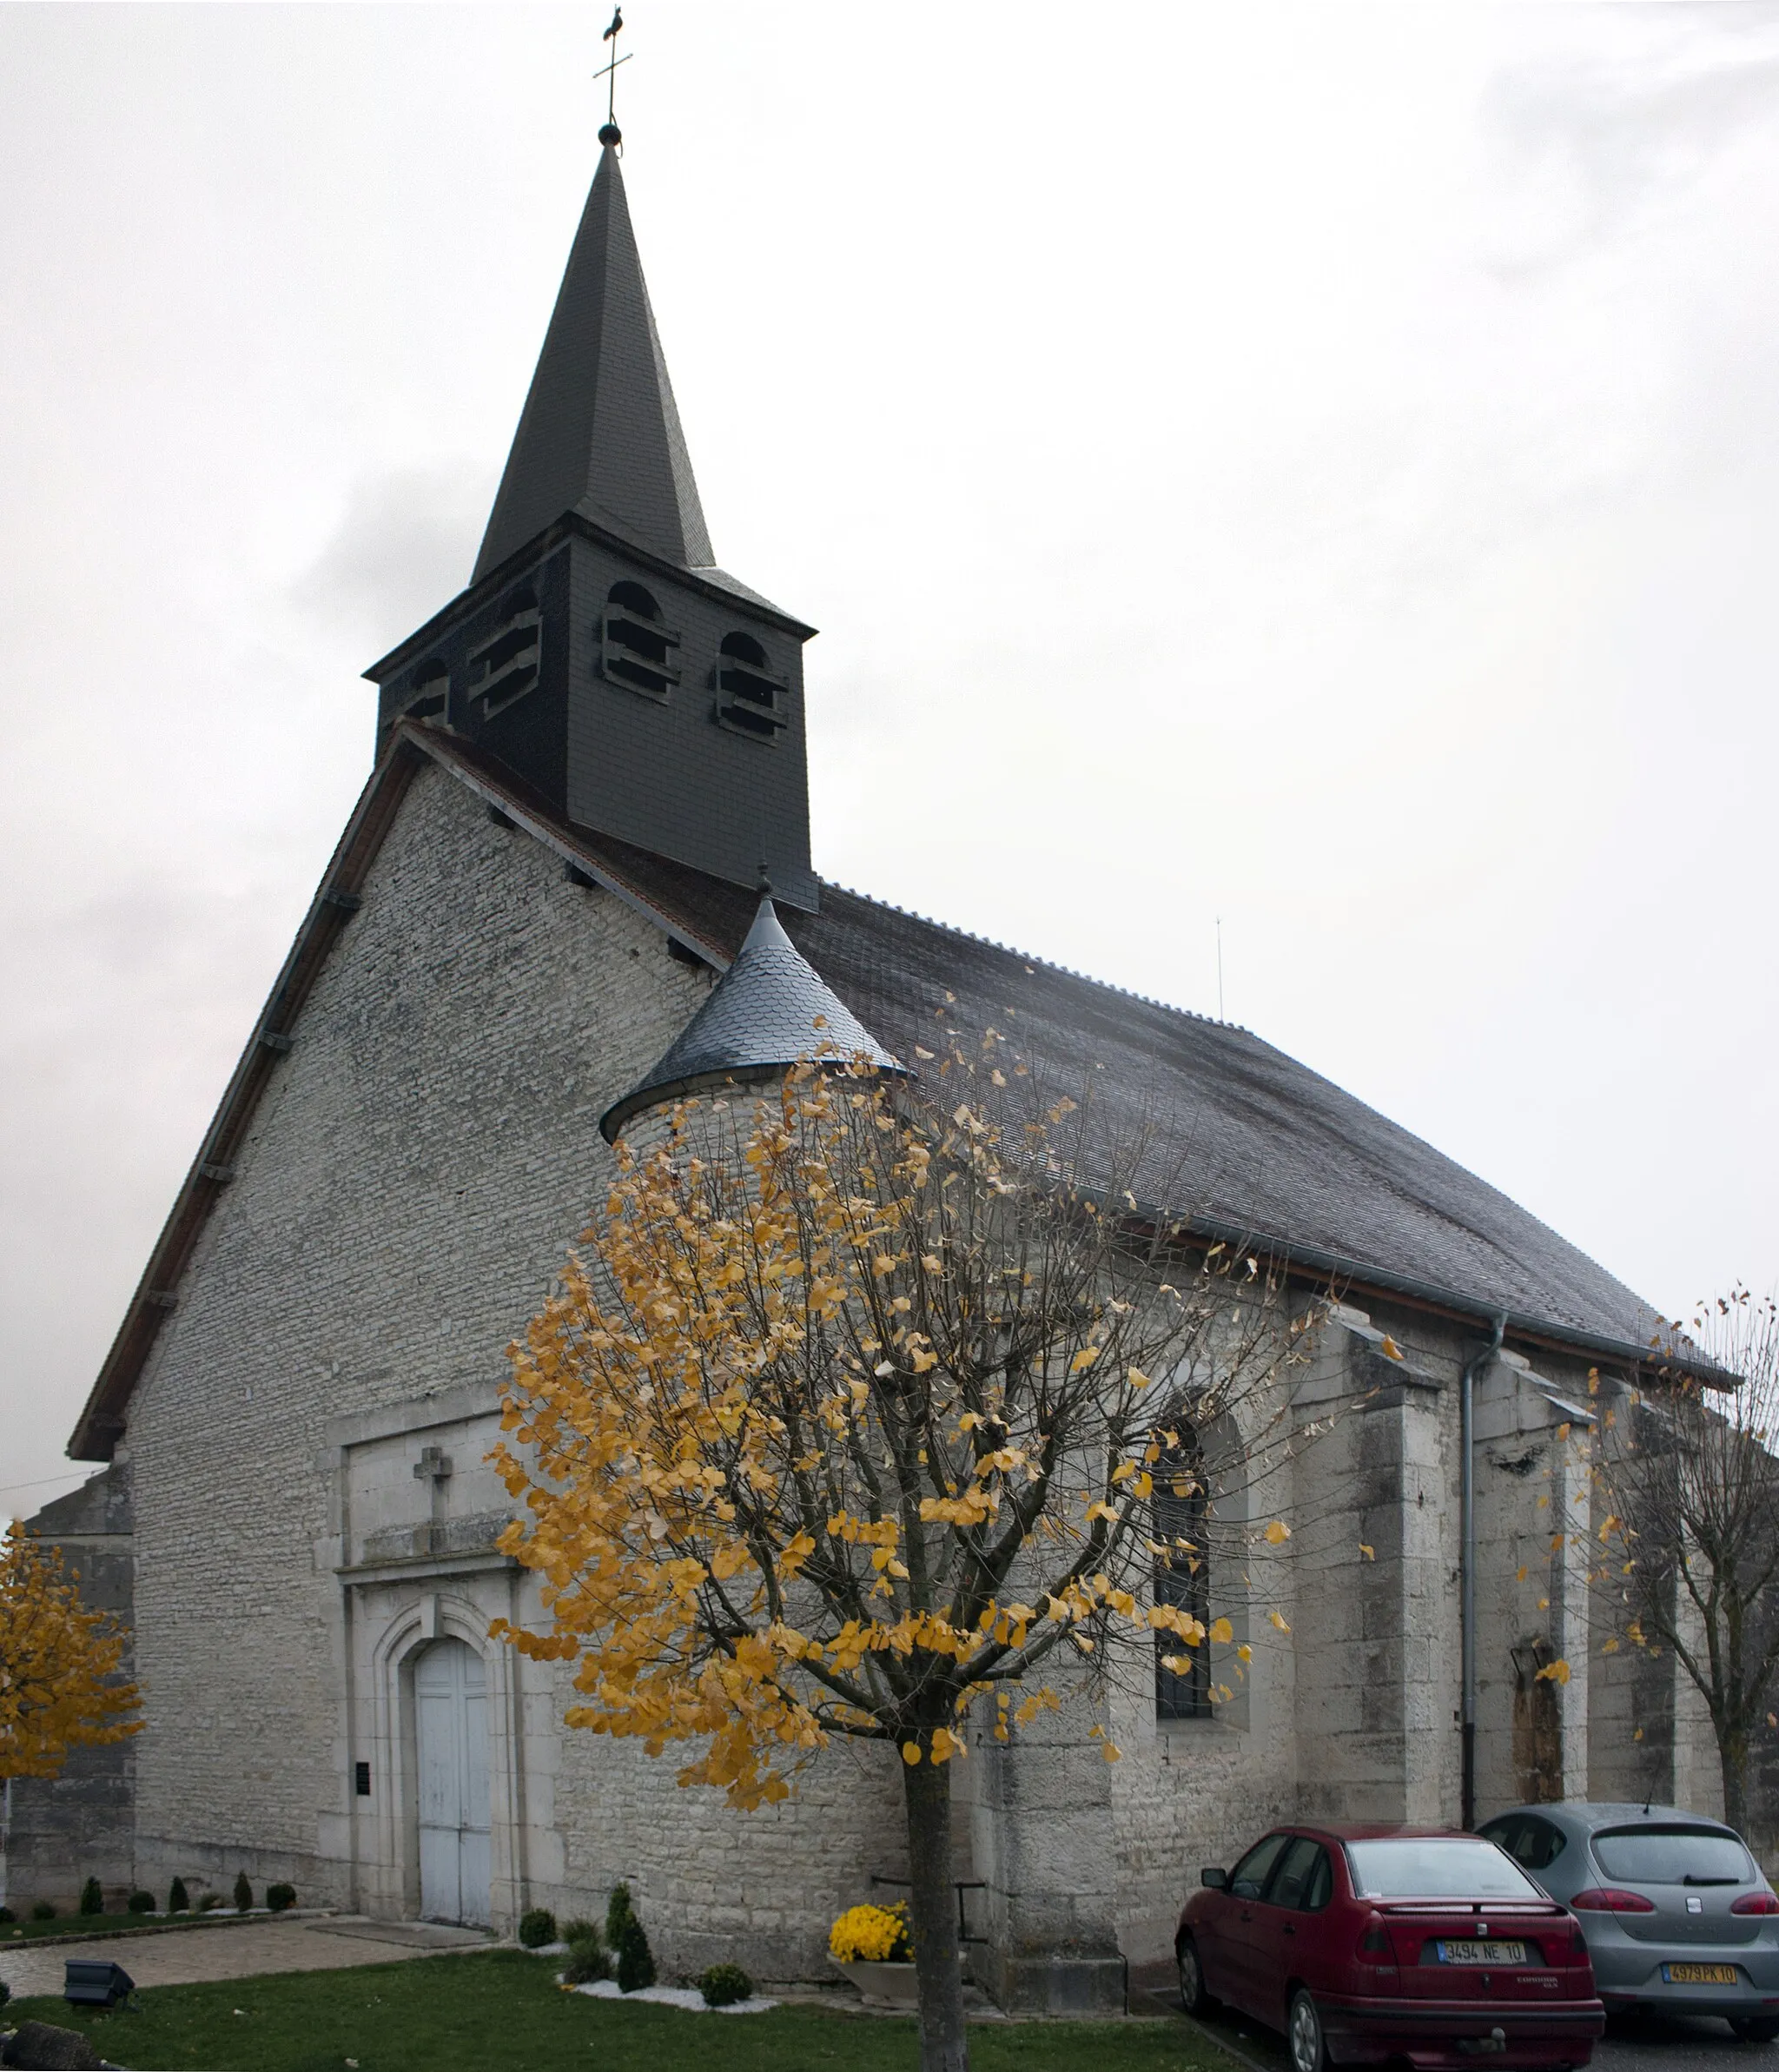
[(1467, 1569)]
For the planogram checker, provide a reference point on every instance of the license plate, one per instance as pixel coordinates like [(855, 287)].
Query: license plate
[(1701, 1974), (1482, 1953)]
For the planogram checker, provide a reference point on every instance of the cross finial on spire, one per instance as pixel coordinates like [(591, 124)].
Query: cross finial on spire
[(611, 134)]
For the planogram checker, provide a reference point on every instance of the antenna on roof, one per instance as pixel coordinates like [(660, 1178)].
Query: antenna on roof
[(1220, 1015), (611, 134)]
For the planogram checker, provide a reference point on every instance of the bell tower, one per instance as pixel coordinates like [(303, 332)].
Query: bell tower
[(599, 655)]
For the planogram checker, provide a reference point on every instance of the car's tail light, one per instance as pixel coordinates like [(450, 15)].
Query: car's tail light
[(1562, 1946), (1755, 1902), (1375, 1946), (1611, 1899)]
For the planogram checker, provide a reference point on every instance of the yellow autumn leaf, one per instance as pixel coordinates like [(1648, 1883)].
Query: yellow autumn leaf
[(1084, 1360), (1278, 1532), (1553, 1672), (1222, 1630), (1369, 1552), (1388, 1346), (1278, 1619), (910, 1753)]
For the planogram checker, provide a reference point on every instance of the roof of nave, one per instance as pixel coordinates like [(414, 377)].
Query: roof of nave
[(1279, 1158)]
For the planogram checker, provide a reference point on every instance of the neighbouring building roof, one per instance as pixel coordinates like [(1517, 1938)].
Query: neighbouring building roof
[(770, 1009)]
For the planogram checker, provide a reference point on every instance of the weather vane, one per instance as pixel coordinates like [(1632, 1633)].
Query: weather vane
[(612, 134)]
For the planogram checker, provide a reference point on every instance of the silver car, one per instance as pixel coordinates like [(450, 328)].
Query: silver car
[(1677, 1915)]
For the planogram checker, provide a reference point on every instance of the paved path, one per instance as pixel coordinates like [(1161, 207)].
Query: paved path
[(1631, 2043), (191, 1956)]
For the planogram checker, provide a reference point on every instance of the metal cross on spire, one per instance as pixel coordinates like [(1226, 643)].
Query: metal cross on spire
[(612, 134)]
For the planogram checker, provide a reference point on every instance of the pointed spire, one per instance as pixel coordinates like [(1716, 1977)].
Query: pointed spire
[(600, 433), (769, 1010)]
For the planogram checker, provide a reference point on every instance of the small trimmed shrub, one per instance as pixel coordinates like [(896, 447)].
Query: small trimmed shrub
[(725, 1984), (5, 1992), (243, 1893), (618, 1911), (281, 1897), (92, 1900), (209, 1902), (588, 1958), (636, 1961), (178, 1900), (44, 1910), (536, 1927), (6, 1914), (140, 1902)]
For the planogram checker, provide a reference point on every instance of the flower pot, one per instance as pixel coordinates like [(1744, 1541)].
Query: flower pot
[(880, 1985)]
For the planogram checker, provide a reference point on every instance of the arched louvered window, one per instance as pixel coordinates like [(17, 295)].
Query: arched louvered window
[(1180, 1515), (505, 666), (635, 648), (428, 697), (752, 697)]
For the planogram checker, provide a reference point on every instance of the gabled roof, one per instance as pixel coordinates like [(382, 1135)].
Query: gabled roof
[(1282, 1159), (600, 433), (770, 1009)]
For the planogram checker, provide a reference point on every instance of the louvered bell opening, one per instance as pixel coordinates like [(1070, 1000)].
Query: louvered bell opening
[(752, 698), (635, 647), (503, 669)]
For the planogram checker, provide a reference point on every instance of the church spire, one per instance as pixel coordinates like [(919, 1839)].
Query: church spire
[(600, 433)]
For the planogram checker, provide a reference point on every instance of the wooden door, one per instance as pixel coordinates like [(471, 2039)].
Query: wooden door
[(451, 1731)]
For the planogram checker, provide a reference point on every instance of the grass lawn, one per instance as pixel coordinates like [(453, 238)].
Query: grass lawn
[(100, 1924), (502, 2011)]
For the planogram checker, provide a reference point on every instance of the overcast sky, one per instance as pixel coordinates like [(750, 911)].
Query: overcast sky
[(1310, 465)]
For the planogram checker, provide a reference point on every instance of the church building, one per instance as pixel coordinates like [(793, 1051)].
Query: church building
[(588, 765)]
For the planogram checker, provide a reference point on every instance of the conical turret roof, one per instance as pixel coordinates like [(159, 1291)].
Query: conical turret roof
[(601, 433), (770, 1009)]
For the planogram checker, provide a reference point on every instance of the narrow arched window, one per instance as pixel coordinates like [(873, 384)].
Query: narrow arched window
[(635, 646), (503, 667), (752, 697), (1180, 1515)]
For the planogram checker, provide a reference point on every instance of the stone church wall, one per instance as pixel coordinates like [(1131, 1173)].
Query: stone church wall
[(423, 1156)]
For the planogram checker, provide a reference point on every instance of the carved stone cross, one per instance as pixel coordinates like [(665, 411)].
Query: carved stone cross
[(435, 1466)]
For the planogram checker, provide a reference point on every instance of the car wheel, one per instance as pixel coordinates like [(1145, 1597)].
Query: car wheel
[(1303, 2034), (1193, 1996), (1755, 2029)]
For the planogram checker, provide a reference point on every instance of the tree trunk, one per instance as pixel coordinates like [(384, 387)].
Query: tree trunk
[(943, 2046), (1732, 1757)]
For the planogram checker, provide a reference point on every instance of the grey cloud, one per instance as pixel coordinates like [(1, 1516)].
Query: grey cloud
[(403, 548)]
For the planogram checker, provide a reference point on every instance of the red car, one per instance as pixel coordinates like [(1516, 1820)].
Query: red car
[(1412, 1943)]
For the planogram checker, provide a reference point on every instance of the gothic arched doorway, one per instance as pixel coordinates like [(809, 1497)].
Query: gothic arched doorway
[(451, 1736)]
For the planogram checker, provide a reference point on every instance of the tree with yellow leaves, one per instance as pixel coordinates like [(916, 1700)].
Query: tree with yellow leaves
[(847, 1417), (59, 1683)]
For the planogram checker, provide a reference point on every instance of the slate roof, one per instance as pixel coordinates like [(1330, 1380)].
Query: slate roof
[(769, 1010), (1275, 1153), (601, 431)]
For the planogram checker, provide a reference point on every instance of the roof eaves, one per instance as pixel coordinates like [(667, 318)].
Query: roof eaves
[(1358, 1274)]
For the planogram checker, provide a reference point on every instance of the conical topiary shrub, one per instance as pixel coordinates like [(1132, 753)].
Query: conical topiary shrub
[(178, 1900), (636, 1962), (243, 1893), (92, 1900)]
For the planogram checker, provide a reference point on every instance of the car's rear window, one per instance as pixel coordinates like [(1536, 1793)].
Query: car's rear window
[(1436, 1867), (1672, 1856)]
